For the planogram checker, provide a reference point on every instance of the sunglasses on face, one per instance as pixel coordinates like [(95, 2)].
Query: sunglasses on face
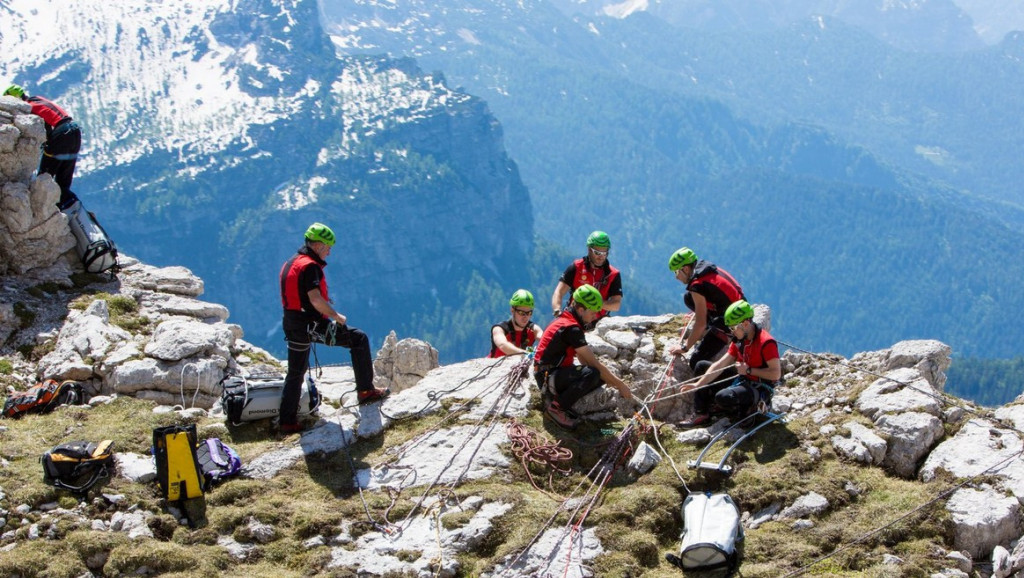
[(523, 312), (600, 253)]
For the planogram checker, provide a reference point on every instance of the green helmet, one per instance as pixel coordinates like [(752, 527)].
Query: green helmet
[(738, 312), (599, 239), (588, 296), (681, 258), (15, 91), (320, 232), (521, 298)]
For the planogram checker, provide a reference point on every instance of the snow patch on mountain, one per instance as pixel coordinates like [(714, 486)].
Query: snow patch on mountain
[(140, 62), (624, 9)]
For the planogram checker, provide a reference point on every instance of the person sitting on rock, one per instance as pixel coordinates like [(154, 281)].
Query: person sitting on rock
[(518, 334), (561, 381), (752, 363)]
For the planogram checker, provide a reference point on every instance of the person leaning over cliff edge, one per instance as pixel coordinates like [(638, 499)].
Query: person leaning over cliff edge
[(595, 270), (709, 291), (309, 317), (753, 363), (515, 336), (63, 140), (561, 382)]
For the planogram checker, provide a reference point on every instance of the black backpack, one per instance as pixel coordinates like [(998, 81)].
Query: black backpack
[(217, 461), (77, 466)]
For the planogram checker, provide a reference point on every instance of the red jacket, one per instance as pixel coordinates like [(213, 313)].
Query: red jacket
[(300, 274), (717, 286), (757, 352), (605, 279), (558, 345), (51, 114)]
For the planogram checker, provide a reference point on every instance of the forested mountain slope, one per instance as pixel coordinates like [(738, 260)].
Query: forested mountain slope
[(629, 123)]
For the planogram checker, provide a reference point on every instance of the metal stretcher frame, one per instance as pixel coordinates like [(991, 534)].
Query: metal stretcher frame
[(722, 467)]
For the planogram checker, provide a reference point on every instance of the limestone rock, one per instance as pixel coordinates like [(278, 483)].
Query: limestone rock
[(83, 342), (177, 339), (863, 445), (983, 519), (901, 390), (185, 376), (911, 436), (174, 280), (807, 505), (974, 450), (929, 357), (401, 364)]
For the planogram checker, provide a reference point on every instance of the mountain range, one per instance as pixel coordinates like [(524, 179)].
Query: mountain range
[(217, 133), (866, 192), (764, 151)]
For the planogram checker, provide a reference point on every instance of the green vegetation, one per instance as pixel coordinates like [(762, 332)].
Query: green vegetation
[(988, 382), (123, 311), (24, 314), (637, 519)]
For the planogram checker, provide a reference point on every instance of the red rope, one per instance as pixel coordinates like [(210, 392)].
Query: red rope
[(531, 448)]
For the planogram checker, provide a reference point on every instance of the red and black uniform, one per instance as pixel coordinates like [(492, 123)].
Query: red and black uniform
[(304, 325), (757, 352), (605, 279), (60, 152), (745, 391), (300, 274), (720, 290), (554, 358), (521, 339)]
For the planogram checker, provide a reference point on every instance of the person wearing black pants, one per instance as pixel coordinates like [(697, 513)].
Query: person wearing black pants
[(63, 140), (743, 379), (561, 381), (310, 318), (709, 291)]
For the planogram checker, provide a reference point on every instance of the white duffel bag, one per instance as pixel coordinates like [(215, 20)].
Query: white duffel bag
[(249, 399)]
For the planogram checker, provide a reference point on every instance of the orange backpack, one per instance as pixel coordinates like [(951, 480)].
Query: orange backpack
[(42, 398)]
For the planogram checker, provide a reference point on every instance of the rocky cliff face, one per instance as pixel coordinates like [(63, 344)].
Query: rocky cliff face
[(237, 126), (34, 234)]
